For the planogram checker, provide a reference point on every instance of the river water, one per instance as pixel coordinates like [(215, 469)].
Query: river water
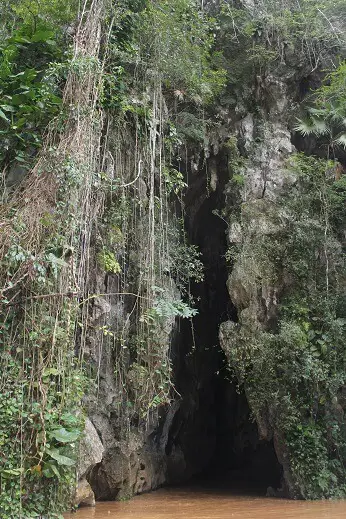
[(201, 503)]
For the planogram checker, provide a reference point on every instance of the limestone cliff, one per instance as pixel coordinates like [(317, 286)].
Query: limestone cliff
[(172, 249)]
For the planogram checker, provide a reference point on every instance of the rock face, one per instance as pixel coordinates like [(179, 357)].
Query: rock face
[(91, 449), (121, 455), (114, 453), (121, 459), (84, 494), (90, 454), (127, 469), (128, 459), (266, 142)]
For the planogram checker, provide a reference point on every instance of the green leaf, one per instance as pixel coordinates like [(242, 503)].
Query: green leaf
[(51, 371), (3, 116), (62, 460), (19, 99), (312, 126), (51, 470), (20, 123), (64, 436), (55, 470), (7, 473), (8, 108), (18, 39), (20, 158), (17, 75), (70, 419), (42, 36)]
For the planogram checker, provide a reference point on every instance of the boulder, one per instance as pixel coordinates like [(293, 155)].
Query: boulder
[(91, 450), (84, 494)]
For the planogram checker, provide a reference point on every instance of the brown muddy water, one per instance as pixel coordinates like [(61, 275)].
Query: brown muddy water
[(201, 503)]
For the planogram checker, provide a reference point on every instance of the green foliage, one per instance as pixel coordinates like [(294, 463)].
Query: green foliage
[(168, 43), (238, 179), (185, 263), (236, 162), (51, 12), (174, 180), (327, 118), (268, 35), (42, 382), (165, 309), (297, 369), (46, 415), (170, 48), (30, 96), (191, 127), (178, 38), (149, 375), (108, 262)]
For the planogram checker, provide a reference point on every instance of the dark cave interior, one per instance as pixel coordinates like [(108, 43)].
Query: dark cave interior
[(213, 426)]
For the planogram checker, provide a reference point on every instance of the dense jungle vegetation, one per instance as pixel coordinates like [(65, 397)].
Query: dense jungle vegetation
[(97, 96)]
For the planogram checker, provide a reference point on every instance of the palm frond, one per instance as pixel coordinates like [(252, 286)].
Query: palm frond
[(318, 112), (341, 140), (338, 116), (304, 127), (312, 126)]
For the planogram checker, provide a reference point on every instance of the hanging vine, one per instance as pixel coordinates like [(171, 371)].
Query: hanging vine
[(44, 251), (90, 205)]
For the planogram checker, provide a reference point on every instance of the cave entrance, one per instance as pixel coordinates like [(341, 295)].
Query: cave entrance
[(213, 427)]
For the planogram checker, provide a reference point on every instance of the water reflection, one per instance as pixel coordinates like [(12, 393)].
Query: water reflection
[(201, 503)]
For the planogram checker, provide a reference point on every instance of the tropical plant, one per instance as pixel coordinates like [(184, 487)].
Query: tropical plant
[(327, 118)]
